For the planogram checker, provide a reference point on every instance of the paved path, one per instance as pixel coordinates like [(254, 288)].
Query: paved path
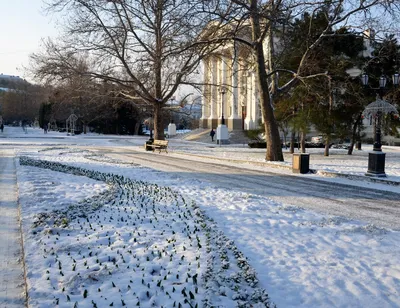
[(12, 286), (370, 205)]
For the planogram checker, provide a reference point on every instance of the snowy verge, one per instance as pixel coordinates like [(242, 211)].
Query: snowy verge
[(126, 243), (303, 259)]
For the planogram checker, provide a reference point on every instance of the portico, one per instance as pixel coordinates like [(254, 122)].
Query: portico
[(239, 103)]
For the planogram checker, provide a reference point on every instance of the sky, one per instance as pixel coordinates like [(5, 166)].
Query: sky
[(24, 24)]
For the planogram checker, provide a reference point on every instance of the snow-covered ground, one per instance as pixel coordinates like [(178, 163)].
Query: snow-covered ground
[(101, 232)]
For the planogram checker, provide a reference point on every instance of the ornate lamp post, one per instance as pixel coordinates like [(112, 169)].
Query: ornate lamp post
[(222, 129), (222, 91), (376, 159)]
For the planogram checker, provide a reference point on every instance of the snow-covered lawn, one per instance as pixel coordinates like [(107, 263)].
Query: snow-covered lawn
[(128, 235), (100, 239)]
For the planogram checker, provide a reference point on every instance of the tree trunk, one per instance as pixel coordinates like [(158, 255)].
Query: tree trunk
[(298, 141), (292, 137), (351, 147), (284, 138), (303, 141), (274, 148), (136, 129), (359, 135), (354, 135), (158, 127), (326, 152)]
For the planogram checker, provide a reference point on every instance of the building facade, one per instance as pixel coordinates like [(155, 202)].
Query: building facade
[(229, 91)]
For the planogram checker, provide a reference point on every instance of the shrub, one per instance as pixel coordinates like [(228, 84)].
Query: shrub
[(257, 144), (253, 133)]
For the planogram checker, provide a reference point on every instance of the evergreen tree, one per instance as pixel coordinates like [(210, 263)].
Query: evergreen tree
[(321, 99)]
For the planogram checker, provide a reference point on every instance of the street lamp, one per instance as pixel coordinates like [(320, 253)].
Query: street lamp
[(222, 91), (222, 129), (379, 108), (376, 159)]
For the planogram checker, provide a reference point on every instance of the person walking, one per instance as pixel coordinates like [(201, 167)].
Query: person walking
[(212, 134), (2, 127)]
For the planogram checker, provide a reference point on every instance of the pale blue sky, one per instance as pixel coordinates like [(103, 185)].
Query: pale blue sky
[(23, 24)]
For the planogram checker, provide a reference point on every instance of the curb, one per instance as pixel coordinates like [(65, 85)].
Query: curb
[(356, 177), (26, 295)]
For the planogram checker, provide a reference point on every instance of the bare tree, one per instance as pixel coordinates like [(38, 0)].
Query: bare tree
[(147, 47), (22, 102)]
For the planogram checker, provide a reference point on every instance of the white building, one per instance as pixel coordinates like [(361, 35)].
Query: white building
[(229, 92), (229, 89)]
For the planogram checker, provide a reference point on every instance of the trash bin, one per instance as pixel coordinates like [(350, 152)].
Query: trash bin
[(301, 163)]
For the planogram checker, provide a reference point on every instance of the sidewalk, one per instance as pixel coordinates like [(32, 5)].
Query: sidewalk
[(12, 283)]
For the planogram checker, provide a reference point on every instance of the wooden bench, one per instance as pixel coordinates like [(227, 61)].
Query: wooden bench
[(160, 145)]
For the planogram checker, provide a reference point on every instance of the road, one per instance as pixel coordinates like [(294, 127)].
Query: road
[(381, 208)]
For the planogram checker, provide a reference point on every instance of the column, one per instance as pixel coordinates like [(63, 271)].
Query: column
[(251, 100), (256, 116), (235, 89), (213, 118), (222, 129), (224, 98), (206, 99), (235, 120), (243, 94)]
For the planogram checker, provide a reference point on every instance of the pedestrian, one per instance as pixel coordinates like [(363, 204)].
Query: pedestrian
[(45, 128), (212, 134), (2, 127)]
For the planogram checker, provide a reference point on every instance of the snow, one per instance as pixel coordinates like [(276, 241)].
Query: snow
[(81, 231), (11, 271)]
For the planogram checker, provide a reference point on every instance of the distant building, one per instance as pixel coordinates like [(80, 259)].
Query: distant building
[(185, 114), (3, 76), (9, 82), (369, 35), (193, 108)]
